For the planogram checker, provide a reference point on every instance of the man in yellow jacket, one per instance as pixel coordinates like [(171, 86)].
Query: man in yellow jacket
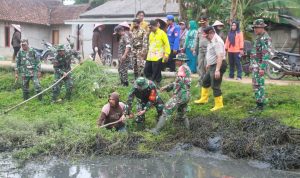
[(158, 52)]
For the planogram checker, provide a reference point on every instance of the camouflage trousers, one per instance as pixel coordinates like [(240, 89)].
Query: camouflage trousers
[(123, 70), (201, 65), (258, 84), (138, 62), (174, 104), (25, 85), (68, 85), (140, 120)]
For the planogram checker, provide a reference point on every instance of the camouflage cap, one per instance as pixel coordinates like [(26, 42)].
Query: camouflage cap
[(141, 83), (61, 48), (24, 41), (181, 57), (259, 23)]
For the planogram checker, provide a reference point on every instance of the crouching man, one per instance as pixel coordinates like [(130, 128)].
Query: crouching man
[(113, 111), (181, 95)]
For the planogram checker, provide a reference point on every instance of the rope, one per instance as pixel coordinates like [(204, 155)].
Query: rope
[(16, 106)]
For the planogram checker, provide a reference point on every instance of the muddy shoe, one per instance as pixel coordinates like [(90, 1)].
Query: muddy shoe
[(154, 131), (258, 109), (56, 101)]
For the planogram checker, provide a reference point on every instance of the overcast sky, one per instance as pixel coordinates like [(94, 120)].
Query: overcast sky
[(69, 2)]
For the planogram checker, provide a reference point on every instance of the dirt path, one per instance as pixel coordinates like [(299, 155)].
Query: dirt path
[(246, 80)]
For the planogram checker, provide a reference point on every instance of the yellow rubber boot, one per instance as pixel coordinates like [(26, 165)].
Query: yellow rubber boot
[(218, 103), (204, 93)]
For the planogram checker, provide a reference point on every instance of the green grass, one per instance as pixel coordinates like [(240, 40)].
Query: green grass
[(69, 128)]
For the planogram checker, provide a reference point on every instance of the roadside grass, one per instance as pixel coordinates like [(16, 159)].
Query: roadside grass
[(69, 128)]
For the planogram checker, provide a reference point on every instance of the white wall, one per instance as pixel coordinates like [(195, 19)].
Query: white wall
[(64, 32), (34, 33)]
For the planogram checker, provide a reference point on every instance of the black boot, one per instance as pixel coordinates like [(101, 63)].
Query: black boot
[(25, 96), (40, 97), (125, 84)]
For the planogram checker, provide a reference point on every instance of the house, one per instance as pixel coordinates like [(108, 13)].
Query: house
[(39, 20), (286, 34), (114, 12)]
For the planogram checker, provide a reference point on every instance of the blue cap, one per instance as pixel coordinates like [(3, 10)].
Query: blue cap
[(170, 17)]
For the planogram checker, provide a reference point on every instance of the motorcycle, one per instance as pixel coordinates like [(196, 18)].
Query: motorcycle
[(47, 54), (282, 64), (76, 56), (245, 59), (106, 55)]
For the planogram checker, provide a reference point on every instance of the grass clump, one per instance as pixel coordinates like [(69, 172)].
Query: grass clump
[(69, 128)]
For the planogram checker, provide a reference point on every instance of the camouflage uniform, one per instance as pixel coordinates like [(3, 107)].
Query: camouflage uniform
[(125, 42), (147, 96), (61, 65), (179, 100), (28, 66), (260, 54), (201, 42), (139, 47)]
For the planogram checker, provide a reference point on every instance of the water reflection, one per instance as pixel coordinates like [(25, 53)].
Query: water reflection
[(186, 165)]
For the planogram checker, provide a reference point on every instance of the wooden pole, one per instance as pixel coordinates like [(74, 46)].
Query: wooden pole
[(23, 102)]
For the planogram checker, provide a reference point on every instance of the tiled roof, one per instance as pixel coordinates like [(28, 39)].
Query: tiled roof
[(121, 8), (62, 13), (26, 11), (43, 12)]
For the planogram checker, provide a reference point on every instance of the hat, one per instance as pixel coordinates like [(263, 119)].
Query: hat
[(170, 17), (181, 57), (61, 48), (152, 23), (141, 83), (217, 23), (259, 23), (98, 25), (203, 19), (181, 23), (24, 41), (124, 24), (17, 27), (208, 29), (136, 20), (117, 29)]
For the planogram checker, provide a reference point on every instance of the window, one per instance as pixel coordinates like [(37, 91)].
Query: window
[(55, 36), (7, 36)]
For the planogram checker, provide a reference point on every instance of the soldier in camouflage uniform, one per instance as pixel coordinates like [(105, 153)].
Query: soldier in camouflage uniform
[(201, 46), (181, 95), (28, 66), (147, 96), (123, 52), (62, 65), (139, 48), (260, 54)]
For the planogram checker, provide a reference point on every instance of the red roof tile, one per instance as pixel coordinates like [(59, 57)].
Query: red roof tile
[(42, 12)]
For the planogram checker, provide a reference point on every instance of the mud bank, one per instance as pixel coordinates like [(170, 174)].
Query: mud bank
[(254, 138)]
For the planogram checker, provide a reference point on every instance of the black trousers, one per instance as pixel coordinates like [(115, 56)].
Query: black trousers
[(171, 63), (152, 70), (210, 81)]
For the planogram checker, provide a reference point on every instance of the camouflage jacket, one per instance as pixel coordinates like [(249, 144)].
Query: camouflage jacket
[(139, 39), (28, 64), (125, 42), (62, 64), (142, 96), (201, 42), (181, 86), (261, 51)]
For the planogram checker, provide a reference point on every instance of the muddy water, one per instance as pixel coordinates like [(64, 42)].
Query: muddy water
[(195, 163)]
